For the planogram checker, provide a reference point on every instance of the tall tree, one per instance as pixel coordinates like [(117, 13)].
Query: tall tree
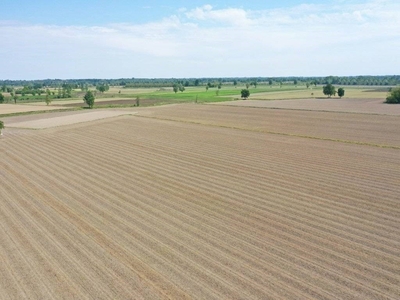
[(48, 99), (1, 98), (340, 92), (245, 93), (329, 90), (89, 99)]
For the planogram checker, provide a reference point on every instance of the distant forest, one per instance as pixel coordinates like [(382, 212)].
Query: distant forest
[(387, 80)]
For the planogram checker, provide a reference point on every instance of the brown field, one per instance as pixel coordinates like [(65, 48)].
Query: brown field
[(204, 202), (21, 108), (62, 118), (354, 105)]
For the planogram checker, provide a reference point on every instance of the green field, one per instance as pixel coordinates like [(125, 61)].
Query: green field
[(119, 96)]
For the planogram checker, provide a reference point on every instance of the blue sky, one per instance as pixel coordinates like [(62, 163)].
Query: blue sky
[(115, 39)]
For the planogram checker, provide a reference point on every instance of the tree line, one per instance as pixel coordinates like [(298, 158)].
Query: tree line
[(83, 84)]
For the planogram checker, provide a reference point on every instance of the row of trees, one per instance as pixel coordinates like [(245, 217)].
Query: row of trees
[(330, 90), (83, 84)]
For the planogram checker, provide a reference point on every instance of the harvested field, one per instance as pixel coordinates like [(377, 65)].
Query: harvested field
[(6, 109), (61, 119), (140, 207), (378, 130), (366, 106)]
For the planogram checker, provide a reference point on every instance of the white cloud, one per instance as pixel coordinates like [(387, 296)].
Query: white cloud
[(339, 39), (232, 16)]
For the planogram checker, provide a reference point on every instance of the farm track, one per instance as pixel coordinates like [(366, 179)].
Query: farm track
[(145, 208)]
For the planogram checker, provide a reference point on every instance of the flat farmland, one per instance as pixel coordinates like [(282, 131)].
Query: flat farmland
[(178, 202), (374, 129), (23, 108), (354, 105)]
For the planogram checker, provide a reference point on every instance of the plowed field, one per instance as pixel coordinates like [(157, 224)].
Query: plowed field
[(204, 202), (21, 108), (354, 105)]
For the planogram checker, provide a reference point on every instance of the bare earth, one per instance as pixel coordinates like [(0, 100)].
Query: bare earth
[(61, 119), (204, 202), (368, 106), (18, 108)]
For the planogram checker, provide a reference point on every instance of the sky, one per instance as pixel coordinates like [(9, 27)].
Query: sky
[(195, 39)]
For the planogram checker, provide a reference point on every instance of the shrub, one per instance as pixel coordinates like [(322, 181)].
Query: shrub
[(89, 99), (245, 93), (394, 97)]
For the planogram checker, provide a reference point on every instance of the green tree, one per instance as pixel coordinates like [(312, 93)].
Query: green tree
[(1, 127), (307, 85), (247, 85), (207, 88), (235, 83), (89, 99), (101, 88), (48, 99), (394, 96), (329, 90), (196, 82), (245, 93), (270, 82), (1, 98), (181, 88), (175, 87), (340, 92)]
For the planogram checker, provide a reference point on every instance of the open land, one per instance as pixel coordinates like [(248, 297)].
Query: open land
[(201, 201), (354, 105), (6, 109)]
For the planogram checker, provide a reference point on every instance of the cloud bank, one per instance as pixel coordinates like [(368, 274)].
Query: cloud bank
[(304, 40)]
